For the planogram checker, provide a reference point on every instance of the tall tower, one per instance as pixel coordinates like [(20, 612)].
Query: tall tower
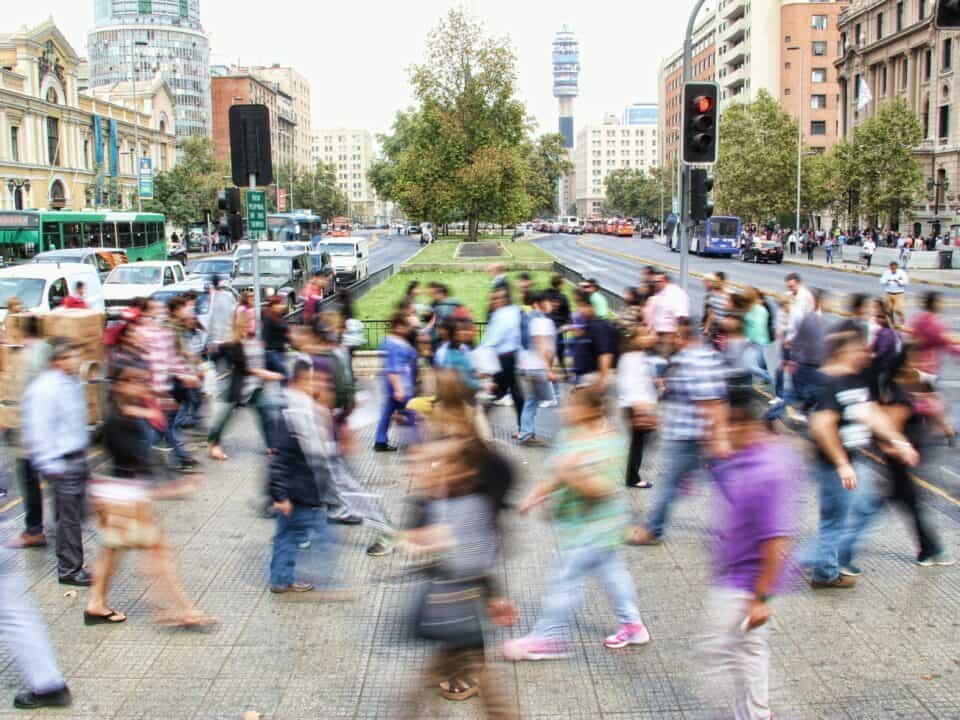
[(566, 86), (151, 36)]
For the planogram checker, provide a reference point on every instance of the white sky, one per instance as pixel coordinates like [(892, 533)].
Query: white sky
[(355, 52)]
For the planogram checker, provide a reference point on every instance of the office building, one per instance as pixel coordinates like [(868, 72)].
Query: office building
[(240, 89), (891, 49), (296, 87), (144, 37), (350, 153), (609, 146), (63, 149)]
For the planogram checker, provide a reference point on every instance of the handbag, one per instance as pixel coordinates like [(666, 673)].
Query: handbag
[(450, 611)]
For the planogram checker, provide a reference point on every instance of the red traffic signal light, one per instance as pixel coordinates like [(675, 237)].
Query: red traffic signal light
[(702, 104), (699, 140)]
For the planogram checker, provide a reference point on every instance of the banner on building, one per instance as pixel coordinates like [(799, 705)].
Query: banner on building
[(114, 148), (145, 178)]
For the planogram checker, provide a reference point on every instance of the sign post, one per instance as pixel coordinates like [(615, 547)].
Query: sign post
[(256, 225), (145, 178)]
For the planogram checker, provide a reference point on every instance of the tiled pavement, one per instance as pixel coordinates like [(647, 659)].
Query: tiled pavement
[(889, 649)]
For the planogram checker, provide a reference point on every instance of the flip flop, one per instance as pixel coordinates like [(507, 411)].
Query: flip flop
[(191, 621), (459, 689), (111, 618)]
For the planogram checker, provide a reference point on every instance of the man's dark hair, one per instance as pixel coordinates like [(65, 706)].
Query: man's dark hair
[(792, 276), (300, 368), (31, 325), (930, 299), (556, 282), (721, 275), (80, 285), (176, 302), (857, 301), (685, 328), (399, 319), (843, 334), (524, 276), (581, 297), (592, 281)]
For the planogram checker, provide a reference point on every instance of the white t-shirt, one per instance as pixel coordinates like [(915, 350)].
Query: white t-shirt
[(670, 303), (634, 380), (541, 326)]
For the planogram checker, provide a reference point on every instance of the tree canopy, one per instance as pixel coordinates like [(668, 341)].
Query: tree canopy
[(190, 187), (633, 193)]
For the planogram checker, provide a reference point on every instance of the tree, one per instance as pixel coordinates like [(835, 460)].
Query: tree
[(316, 190), (755, 174), (547, 165), (461, 152), (632, 193), (184, 192)]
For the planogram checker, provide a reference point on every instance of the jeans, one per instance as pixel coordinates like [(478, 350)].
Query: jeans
[(536, 389), (32, 497), (25, 634), (681, 458), (565, 590), (70, 491), (257, 399), (390, 406), (171, 436), (806, 382), (756, 363), (304, 523), (507, 382), (187, 412), (276, 361), (844, 515), (743, 657), (829, 251)]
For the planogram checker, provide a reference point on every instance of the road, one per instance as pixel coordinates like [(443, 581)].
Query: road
[(389, 249), (617, 262)]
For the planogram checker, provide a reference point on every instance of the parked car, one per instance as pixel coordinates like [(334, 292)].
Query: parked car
[(209, 268), (139, 279), (281, 273), (413, 230), (42, 287), (762, 250), (647, 232), (102, 262)]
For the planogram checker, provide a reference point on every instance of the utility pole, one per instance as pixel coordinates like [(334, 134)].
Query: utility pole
[(134, 44)]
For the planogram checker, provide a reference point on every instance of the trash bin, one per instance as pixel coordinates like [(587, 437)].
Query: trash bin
[(946, 259)]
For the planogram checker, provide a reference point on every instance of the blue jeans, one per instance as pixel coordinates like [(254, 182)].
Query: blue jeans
[(276, 361), (844, 515), (390, 406), (681, 458), (565, 591), (172, 438), (187, 412), (829, 255), (536, 389), (757, 363), (304, 523)]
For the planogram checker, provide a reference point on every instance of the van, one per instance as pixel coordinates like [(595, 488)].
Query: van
[(351, 258), (43, 287)]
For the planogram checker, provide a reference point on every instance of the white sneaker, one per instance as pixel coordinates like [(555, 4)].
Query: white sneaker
[(548, 403), (776, 401), (505, 401)]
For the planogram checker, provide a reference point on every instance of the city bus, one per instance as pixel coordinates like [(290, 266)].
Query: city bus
[(24, 233), (293, 227), (720, 235), (340, 227)]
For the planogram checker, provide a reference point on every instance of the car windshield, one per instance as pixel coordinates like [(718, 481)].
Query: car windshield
[(268, 266), (341, 249), (210, 267), (135, 274), (28, 290)]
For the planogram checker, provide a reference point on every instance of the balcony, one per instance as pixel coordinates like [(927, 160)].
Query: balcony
[(734, 77), (734, 32), (733, 10)]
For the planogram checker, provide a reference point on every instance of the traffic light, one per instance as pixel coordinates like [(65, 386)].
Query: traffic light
[(700, 123), (701, 184), (228, 200), (948, 14)]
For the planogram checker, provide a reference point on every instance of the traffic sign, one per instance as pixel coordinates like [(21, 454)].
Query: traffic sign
[(145, 178), (281, 199), (256, 212)]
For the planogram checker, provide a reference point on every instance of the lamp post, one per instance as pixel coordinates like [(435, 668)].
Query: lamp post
[(15, 185), (937, 187), (799, 136), (136, 119)]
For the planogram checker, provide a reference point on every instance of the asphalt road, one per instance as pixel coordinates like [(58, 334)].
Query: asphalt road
[(389, 249), (617, 271)]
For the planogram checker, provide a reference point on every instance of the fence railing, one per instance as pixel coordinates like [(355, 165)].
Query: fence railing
[(357, 290), (614, 299), (377, 330)]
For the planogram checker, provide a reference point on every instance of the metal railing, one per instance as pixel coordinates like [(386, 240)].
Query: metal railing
[(357, 290), (377, 330), (614, 299)]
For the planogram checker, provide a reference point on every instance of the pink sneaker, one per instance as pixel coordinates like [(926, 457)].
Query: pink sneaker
[(534, 648), (629, 634)]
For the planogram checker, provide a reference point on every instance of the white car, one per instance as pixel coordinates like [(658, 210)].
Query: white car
[(42, 287), (138, 279), (350, 256)]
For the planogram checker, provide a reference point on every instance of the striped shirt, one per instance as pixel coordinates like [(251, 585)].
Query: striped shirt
[(696, 375)]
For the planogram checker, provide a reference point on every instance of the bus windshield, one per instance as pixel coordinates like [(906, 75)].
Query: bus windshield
[(341, 249), (724, 228), (28, 290), (134, 274)]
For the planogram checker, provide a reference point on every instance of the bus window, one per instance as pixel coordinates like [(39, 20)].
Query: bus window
[(72, 235), (109, 235), (153, 233), (139, 235), (124, 239), (51, 236), (92, 235)]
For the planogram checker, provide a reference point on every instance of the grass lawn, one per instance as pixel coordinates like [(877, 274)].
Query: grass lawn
[(470, 288), (442, 251)]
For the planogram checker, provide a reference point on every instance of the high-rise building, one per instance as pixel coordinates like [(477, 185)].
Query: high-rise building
[(748, 49), (606, 147), (295, 86), (143, 37), (566, 87), (350, 152)]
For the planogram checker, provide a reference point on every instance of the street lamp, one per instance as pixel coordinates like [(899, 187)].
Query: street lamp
[(937, 187), (14, 185), (136, 120), (799, 135)]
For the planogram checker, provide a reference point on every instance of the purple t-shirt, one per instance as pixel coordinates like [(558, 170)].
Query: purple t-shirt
[(755, 504)]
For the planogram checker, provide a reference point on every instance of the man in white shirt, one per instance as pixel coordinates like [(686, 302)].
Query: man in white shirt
[(670, 304), (801, 303), (536, 364), (894, 283)]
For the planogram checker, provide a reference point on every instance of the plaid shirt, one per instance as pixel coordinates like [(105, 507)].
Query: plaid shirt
[(695, 375), (162, 357)]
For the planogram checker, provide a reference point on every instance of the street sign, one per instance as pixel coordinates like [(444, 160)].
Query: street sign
[(676, 206), (145, 178), (256, 212), (281, 200)]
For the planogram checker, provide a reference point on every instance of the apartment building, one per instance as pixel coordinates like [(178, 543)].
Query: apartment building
[(608, 146), (236, 88), (296, 87), (891, 49), (350, 152)]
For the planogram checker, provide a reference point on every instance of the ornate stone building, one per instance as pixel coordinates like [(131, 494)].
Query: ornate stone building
[(60, 148)]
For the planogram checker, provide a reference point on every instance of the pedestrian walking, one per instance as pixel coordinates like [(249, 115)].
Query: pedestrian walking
[(843, 423), (894, 282), (869, 248), (590, 514), (560, 314), (503, 335), (595, 354), (539, 338), (54, 416), (755, 489), (757, 326), (276, 335), (637, 399), (399, 379), (828, 245)]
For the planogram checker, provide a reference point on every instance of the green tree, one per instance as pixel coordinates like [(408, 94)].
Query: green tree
[(547, 164), (316, 190), (632, 193), (755, 174), (185, 191)]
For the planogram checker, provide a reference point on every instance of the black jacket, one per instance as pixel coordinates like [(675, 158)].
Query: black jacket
[(291, 476)]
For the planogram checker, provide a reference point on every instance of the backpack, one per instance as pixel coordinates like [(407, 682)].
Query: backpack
[(526, 342)]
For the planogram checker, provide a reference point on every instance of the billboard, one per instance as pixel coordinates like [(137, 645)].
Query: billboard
[(640, 115)]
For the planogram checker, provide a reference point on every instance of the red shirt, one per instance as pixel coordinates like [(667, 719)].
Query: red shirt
[(74, 302)]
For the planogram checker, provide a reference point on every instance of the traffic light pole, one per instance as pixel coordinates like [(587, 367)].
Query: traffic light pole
[(255, 259), (684, 204)]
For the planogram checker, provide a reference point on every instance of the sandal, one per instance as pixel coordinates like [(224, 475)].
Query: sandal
[(191, 621), (216, 452), (459, 689), (111, 618)]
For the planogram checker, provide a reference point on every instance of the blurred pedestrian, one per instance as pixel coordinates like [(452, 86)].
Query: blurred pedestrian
[(536, 365), (637, 398), (77, 299), (276, 335), (399, 379), (560, 314), (504, 336), (595, 354)]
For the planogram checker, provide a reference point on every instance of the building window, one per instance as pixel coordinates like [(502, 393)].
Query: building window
[(144, 7), (184, 8), (926, 119), (927, 64), (947, 59), (944, 122), (818, 75), (818, 22), (787, 91), (818, 127), (788, 39), (53, 141), (905, 75), (922, 8), (900, 16), (879, 25), (820, 47), (15, 144), (818, 102)]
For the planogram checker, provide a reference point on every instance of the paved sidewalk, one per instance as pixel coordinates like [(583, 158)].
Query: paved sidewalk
[(948, 278), (888, 649)]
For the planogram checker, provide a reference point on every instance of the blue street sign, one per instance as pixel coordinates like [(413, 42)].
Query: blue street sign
[(145, 178)]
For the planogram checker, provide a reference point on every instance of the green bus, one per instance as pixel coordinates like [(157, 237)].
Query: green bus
[(24, 233)]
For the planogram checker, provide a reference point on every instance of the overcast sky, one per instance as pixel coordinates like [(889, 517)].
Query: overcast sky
[(355, 52)]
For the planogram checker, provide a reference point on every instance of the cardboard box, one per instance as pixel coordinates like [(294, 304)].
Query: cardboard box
[(85, 327)]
